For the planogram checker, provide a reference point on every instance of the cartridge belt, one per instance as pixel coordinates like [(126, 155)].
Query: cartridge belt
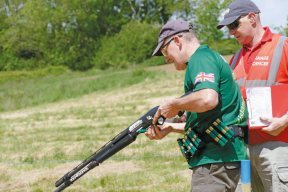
[(217, 132)]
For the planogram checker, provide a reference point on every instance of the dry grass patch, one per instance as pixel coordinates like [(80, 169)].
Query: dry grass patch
[(42, 143)]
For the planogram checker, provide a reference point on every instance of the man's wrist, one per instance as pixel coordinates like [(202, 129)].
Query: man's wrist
[(176, 127), (177, 103)]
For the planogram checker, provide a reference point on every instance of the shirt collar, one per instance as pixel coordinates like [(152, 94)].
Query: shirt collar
[(267, 36)]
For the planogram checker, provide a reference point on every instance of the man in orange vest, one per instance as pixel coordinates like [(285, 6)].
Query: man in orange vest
[(262, 61)]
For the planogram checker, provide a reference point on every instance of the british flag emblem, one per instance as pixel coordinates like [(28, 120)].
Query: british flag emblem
[(201, 77)]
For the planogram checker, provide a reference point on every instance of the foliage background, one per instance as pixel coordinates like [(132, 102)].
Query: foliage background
[(101, 34)]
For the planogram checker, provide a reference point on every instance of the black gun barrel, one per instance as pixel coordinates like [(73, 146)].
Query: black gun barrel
[(101, 155), (68, 181), (94, 156), (119, 142)]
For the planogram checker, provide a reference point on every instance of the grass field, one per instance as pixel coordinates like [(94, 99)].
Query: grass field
[(50, 121)]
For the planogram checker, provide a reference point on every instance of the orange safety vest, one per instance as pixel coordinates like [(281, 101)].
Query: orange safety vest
[(263, 72)]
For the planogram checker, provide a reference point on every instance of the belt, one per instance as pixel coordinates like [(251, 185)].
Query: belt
[(238, 131)]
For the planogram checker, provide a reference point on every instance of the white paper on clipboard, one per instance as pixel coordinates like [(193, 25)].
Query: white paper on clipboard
[(259, 104)]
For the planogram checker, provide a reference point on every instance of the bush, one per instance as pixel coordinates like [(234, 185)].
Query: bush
[(226, 46), (154, 61), (27, 43), (131, 46)]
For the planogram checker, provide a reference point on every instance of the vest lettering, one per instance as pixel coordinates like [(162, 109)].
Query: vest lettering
[(262, 58), (260, 63)]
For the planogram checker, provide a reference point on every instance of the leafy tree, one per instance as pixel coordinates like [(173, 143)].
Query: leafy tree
[(132, 45), (48, 33), (207, 13), (71, 33), (21, 39), (157, 11), (79, 33)]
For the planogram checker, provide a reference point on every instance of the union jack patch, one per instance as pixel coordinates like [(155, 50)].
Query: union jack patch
[(201, 77)]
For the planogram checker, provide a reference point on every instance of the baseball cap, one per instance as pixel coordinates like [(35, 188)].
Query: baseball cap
[(169, 29), (236, 9)]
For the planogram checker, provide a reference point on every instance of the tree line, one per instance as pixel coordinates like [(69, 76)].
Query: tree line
[(85, 34)]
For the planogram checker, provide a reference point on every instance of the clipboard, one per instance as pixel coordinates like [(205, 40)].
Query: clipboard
[(274, 103)]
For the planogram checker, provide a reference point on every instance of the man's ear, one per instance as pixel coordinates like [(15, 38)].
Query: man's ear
[(252, 18), (177, 40)]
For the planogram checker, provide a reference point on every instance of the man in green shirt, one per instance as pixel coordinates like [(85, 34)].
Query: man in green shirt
[(216, 114)]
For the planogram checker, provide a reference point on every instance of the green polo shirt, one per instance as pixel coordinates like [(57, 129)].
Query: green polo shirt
[(206, 69)]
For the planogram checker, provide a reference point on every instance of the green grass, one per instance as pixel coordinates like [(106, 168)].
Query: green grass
[(25, 89), (51, 120)]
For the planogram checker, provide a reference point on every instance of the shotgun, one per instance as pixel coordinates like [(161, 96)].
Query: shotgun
[(120, 141)]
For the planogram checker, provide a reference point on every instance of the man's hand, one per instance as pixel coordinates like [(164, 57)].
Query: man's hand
[(275, 125), (156, 133), (167, 110)]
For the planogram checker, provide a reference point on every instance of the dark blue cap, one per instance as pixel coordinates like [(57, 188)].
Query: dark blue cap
[(169, 29), (236, 9)]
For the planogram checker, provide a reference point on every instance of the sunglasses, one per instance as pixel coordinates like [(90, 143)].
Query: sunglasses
[(165, 46), (235, 24)]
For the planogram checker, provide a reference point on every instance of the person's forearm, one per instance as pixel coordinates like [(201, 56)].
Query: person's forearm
[(176, 127), (200, 101)]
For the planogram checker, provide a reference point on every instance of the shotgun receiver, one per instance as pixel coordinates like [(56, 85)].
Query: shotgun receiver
[(119, 142)]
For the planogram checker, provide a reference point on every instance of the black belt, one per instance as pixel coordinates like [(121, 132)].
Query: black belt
[(238, 131)]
